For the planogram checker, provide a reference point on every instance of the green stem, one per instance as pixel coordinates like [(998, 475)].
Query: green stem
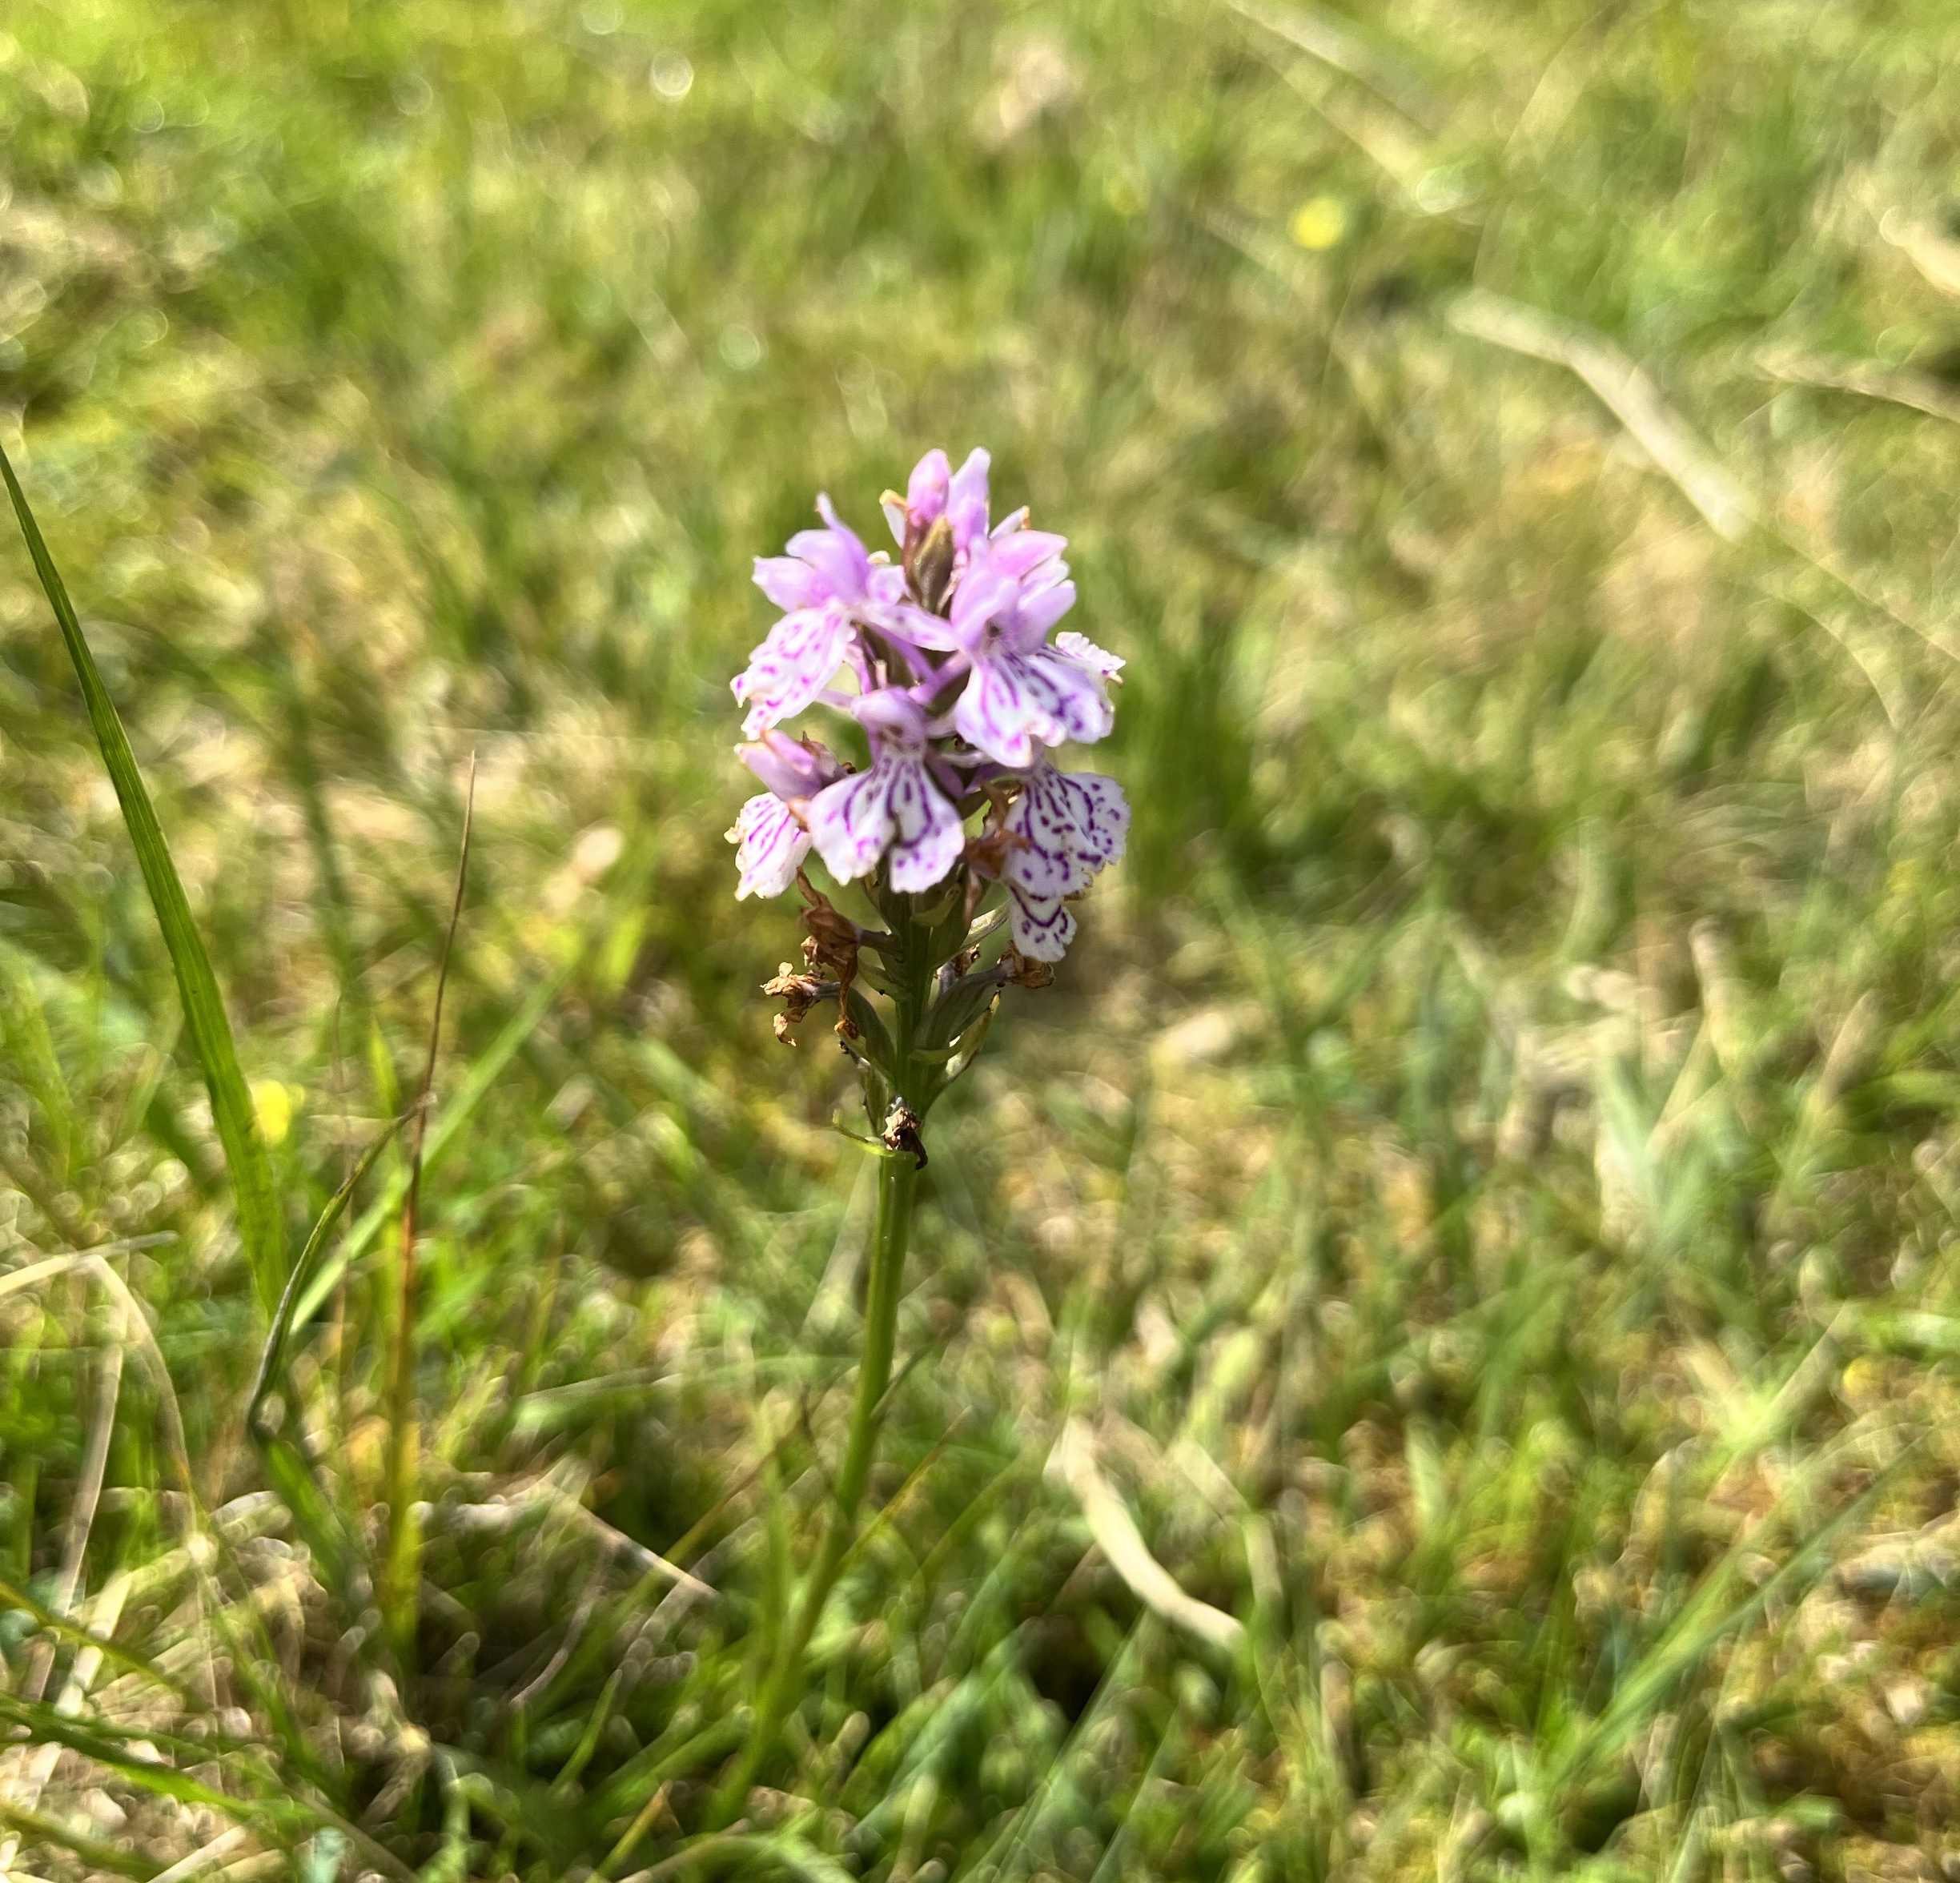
[(897, 1177)]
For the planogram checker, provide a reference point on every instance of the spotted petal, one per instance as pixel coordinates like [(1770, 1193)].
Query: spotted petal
[(1015, 702), (1042, 928), (929, 835), (895, 806), (1070, 824), (794, 665), (773, 846)]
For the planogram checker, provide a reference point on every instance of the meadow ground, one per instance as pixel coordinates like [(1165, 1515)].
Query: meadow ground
[(1484, 1185)]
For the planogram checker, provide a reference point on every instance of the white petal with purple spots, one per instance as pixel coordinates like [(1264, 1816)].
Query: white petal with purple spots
[(1016, 701), (794, 665), (895, 805), (1070, 824), (773, 846), (1042, 929)]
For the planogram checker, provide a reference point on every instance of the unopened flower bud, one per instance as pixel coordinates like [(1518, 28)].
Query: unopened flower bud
[(792, 769), (928, 563)]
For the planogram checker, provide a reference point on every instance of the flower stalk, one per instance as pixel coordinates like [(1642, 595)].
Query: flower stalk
[(782, 1684)]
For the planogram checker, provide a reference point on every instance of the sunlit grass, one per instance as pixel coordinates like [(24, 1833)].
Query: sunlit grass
[(1487, 1185)]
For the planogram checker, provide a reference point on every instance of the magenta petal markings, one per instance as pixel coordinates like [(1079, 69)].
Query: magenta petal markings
[(773, 845), (952, 666), (1023, 692), (1070, 825), (1040, 928), (895, 807)]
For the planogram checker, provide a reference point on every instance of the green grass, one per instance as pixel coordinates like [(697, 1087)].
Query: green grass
[(1487, 1180)]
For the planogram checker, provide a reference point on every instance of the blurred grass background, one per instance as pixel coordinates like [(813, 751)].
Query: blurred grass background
[(1486, 1183)]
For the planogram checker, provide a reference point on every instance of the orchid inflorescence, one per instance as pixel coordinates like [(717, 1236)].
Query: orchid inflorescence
[(962, 696)]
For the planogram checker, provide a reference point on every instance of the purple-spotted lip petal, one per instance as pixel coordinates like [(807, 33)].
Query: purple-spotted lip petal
[(773, 843), (1041, 929), (894, 810), (1014, 701), (1070, 825), (793, 665)]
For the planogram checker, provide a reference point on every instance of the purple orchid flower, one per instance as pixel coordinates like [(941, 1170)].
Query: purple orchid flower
[(770, 828), (826, 582), (1023, 692), (896, 808), (1070, 824), (963, 685)]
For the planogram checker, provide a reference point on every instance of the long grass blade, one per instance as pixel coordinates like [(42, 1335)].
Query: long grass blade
[(252, 1183)]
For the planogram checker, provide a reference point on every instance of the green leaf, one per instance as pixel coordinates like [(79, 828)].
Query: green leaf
[(210, 1031), (954, 1012)]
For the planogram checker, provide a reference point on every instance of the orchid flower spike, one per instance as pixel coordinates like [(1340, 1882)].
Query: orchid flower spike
[(968, 839)]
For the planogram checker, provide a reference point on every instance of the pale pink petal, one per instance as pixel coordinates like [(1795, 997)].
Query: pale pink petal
[(793, 666), (773, 846), (1036, 613), (1025, 551), (790, 767), (966, 501), (925, 490), (790, 582), (985, 591), (910, 622), (850, 821)]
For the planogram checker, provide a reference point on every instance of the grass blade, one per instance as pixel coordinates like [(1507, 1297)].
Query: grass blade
[(455, 1115), (286, 1462), (252, 1183)]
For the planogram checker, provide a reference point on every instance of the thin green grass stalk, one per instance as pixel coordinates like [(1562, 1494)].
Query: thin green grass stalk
[(252, 1183), (401, 1573), (897, 1180), (287, 1464)]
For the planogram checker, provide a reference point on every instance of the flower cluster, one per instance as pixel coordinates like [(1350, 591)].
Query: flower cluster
[(949, 662), (961, 694)]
